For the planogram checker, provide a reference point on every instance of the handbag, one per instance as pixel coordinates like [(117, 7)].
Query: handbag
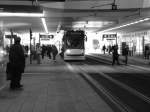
[(8, 71)]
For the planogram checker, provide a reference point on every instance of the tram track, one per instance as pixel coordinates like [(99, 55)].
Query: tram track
[(116, 104), (116, 91)]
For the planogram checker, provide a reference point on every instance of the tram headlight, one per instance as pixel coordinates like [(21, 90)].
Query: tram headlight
[(2, 52), (68, 51)]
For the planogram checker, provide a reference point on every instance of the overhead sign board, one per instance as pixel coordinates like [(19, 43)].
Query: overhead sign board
[(110, 36), (10, 36), (46, 37)]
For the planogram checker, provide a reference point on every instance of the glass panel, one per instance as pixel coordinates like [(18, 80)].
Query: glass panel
[(3, 57), (75, 43)]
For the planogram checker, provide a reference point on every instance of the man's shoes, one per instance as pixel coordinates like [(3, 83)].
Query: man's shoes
[(20, 86), (16, 88)]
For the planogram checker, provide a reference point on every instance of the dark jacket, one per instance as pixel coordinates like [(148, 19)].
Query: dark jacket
[(115, 51), (126, 51), (54, 50), (17, 58)]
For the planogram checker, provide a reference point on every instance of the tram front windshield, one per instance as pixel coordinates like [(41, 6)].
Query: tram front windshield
[(75, 42)]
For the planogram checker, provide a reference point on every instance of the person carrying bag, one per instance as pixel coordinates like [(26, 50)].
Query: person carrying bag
[(8, 71), (16, 64)]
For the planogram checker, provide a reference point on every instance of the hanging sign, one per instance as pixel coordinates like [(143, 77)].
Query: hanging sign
[(10, 36), (46, 37), (109, 36)]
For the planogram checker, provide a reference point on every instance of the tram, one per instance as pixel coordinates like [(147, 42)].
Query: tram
[(73, 45)]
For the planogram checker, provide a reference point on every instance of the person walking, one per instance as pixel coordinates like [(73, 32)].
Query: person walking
[(104, 48), (62, 52), (49, 50), (126, 52), (109, 49), (38, 54), (146, 52), (43, 51), (17, 63), (54, 52), (115, 55)]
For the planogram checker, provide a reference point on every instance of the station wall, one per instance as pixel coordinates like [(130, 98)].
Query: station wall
[(137, 41)]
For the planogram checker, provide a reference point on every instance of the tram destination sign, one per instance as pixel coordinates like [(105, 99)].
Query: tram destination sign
[(110, 36)]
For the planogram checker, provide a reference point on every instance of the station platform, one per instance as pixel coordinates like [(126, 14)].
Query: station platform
[(132, 60), (51, 87)]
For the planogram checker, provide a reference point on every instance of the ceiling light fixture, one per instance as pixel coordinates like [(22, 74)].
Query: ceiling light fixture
[(44, 24), (9, 14), (132, 23)]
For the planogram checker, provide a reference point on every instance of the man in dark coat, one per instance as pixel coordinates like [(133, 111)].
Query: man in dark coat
[(104, 48), (49, 50), (126, 51), (115, 54), (17, 62), (54, 52)]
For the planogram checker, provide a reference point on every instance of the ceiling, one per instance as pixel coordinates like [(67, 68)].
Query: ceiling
[(93, 16)]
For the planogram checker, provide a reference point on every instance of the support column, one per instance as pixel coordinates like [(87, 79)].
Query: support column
[(143, 44), (1, 35), (30, 46)]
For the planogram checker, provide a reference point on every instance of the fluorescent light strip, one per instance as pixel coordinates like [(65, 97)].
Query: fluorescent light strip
[(139, 21), (44, 24), (9, 14)]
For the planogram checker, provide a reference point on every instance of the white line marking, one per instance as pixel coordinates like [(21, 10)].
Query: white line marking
[(143, 68)]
